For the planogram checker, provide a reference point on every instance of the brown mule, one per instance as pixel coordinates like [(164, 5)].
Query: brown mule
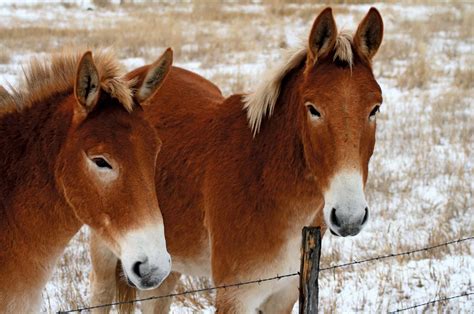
[(238, 178), (76, 149)]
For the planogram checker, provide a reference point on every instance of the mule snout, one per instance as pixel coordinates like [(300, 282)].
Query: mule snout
[(345, 210), (145, 275), (344, 226), (145, 260)]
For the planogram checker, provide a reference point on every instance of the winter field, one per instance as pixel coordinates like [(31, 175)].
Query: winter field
[(421, 179)]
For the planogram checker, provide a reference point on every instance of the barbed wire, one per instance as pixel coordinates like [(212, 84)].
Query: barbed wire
[(234, 285), (278, 277), (464, 294), (376, 258)]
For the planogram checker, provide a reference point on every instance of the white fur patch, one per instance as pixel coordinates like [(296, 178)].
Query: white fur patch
[(147, 246), (346, 195), (104, 174)]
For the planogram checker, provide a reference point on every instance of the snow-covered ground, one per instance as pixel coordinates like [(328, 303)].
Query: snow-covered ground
[(421, 176)]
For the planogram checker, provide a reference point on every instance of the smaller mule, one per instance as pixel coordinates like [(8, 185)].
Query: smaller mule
[(76, 149)]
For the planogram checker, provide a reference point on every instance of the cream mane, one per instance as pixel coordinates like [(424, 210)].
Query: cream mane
[(45, 77), (262, 101)]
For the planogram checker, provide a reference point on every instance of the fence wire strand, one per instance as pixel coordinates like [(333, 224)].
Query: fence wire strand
[(233, 285), (278, 277), (377, 258), (464, 294)]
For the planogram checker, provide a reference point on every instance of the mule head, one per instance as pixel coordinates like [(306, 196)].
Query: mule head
[(107, 165), (340, 100)]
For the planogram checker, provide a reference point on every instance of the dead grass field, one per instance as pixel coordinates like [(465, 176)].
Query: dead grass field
[(421, 176)]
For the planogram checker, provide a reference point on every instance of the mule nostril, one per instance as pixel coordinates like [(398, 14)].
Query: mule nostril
[(334, 219), (136, 269), (366, 216)]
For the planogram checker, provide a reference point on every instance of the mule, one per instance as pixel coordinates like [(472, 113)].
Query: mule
[(75, 149), (239, 177)]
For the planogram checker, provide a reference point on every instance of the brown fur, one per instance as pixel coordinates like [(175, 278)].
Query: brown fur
[(46, 191), (241, 200)]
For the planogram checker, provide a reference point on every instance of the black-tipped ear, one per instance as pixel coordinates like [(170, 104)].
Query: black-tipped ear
[(369, 34), (87, 85), (156, 75), (323, 35)]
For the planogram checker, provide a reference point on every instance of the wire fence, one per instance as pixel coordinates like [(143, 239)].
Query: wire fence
[(464, 294), (279, 277), (233, 285)]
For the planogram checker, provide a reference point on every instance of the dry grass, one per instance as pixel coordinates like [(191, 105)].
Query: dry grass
[(4, 57), (101, 3), (419, 72), (425, 127), (199, 301), (464, 78)]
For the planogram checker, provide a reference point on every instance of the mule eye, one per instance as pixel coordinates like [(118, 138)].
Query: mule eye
[(314, 113), (374, 112), (101, 163)]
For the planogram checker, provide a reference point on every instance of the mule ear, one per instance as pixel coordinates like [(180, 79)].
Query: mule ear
[(323, 35), (87, 85), (156, 75), (369, 34)]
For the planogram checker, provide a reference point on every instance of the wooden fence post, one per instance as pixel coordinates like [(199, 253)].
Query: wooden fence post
[(309, 271)]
